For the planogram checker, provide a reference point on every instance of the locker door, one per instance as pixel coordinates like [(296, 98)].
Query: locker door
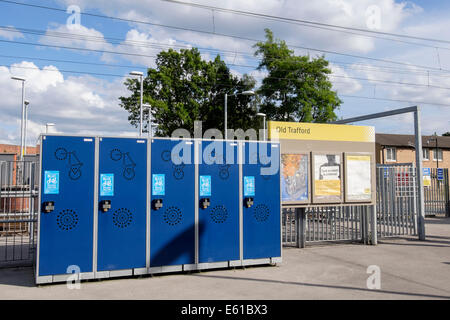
[(219, 183), (172, 227), (262, 220), (123, 182), (67, 179)]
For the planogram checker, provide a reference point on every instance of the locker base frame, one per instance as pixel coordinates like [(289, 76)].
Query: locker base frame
[(62, 278), (158, 270)]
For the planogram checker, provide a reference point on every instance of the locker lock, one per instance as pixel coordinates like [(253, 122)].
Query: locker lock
[(248, 202), (157, 204), (48, 206), (205, 203), (105, 205)]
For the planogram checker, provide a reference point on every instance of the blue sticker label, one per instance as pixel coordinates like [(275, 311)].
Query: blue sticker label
[(440, 174), (51, 183), (205, 186), (249, 186), (158, 184), (107, 184)]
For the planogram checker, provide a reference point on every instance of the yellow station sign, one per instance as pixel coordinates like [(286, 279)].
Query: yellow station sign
[(320, 132)]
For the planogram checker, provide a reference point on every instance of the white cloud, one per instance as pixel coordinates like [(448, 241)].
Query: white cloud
[(342, 83), (11, 33), (74, 104)]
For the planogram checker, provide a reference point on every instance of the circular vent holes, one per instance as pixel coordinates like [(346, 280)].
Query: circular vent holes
[(173, 216), (219, 214), (261, 213), (67, 220), (122, 218)]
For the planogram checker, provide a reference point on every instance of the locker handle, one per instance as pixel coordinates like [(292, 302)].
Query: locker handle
[(205, 203), (157, 204), (105, 205), (248, 202), (48, 206)]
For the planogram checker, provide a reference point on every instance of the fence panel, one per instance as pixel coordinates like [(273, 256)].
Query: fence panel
[(18, 204), (396, 200), (436, 193), (326, 224)]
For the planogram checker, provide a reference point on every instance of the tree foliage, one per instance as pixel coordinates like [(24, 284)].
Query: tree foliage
[(296, 88), (184, 88)]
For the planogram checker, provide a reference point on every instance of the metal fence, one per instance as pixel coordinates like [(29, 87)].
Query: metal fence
[(325, 224), (396, 200), (18, 201), (436, 193)]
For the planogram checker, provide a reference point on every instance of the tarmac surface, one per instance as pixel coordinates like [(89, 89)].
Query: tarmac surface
[(409, 269)]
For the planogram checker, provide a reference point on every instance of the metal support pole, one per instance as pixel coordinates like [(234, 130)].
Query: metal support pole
[(264, 128), (22, 123), (142, 100), (373, 225), (25, 128), (300, 224), (225, 131), (419, 167)]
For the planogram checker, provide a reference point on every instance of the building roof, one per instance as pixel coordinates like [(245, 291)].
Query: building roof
[(408, 141)]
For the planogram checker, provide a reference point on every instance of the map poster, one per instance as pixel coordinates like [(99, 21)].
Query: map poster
[(327, 177), (358, 178), (294, 178)]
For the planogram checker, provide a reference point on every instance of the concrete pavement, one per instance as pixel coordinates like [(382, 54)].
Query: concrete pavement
[(410, 269)]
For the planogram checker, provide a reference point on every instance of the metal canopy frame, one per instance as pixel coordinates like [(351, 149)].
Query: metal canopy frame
[(419, 155)]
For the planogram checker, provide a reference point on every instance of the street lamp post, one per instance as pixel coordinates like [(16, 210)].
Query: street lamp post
[(259, 114), (244, 93), (141, 79), (48, 125), (23, 114), (149, 107), (25, 128)]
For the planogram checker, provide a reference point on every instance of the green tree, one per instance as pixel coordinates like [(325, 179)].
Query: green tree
[(296, 87), (184, 88), (447, 134)]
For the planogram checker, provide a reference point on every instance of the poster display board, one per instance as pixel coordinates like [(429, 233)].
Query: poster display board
[(314, 162), (295, 178), (358, 177), (327, 181)]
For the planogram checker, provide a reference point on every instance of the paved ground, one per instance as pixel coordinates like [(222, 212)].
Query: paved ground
[(410, 269)]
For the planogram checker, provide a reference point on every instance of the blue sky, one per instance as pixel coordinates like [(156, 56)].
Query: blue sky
[(88, 104)]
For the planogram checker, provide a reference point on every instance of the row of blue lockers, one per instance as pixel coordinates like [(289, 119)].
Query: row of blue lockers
[(111, 204)]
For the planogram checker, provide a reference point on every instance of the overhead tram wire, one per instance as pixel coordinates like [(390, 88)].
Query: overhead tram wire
[(386, 82), (219, 34), (160, 46), (324, 26), (292, 20), (341, 95)]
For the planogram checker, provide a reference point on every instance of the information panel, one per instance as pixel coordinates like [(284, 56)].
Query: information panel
[(327, 177), (295, 178), (358, 177)]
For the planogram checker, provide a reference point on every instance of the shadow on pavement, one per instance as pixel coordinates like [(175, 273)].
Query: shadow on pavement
[(410, 294), (21, 276)]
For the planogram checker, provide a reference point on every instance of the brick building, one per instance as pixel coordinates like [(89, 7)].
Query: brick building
[(9, 152), (400, 148)]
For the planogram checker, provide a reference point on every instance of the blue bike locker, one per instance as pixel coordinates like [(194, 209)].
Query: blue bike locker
[(67, 205), (218, 201), (261, 193), (122, 187), (172, 219)]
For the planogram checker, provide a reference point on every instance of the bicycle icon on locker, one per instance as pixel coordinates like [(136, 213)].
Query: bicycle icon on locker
[(74, 163), (127, 163)]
